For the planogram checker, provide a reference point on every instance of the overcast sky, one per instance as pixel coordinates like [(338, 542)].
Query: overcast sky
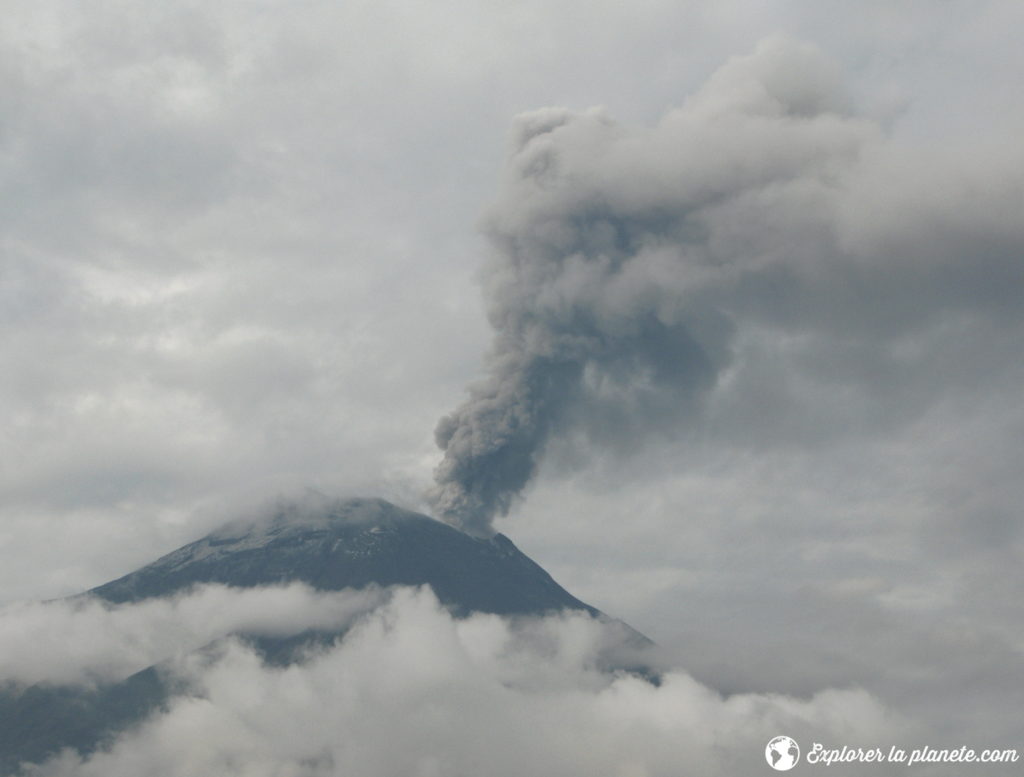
[(253, 248)]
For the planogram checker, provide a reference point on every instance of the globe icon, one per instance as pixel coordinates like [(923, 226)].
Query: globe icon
[(782, 753)]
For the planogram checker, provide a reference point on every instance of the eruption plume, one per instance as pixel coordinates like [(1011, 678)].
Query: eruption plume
[(622, 258)]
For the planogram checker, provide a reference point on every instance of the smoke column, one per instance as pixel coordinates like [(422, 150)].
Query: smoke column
[(621, 258)]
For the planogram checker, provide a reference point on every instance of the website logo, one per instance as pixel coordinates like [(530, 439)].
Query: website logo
[(782, 753)]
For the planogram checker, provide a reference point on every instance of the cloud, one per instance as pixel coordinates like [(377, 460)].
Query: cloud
[(761, 245), (87, 641), (203, 300), (882, 563), (412, 691)]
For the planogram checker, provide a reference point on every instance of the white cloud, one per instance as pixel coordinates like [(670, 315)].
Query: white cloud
[(86, 640), (411, 691)]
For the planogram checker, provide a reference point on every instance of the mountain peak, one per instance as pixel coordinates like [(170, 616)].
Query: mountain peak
[(317, 512), (353, 543)]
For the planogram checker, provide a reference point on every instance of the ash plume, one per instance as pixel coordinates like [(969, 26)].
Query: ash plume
[(614, 267)]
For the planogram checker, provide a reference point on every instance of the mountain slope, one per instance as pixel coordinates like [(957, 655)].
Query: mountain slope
[(352, 544)]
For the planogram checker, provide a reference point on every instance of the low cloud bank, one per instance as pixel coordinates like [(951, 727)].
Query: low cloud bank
[(86, 640), (412, 691)]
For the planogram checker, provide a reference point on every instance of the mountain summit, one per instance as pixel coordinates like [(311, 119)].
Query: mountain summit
[(353, 544)]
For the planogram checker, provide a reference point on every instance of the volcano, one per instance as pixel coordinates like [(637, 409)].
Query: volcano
[(328, 545), (354, 544)]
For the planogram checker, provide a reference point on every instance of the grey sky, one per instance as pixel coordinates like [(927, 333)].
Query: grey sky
[(243, 248)]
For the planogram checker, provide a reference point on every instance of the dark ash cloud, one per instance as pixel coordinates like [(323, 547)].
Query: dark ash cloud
[(632, 268)]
